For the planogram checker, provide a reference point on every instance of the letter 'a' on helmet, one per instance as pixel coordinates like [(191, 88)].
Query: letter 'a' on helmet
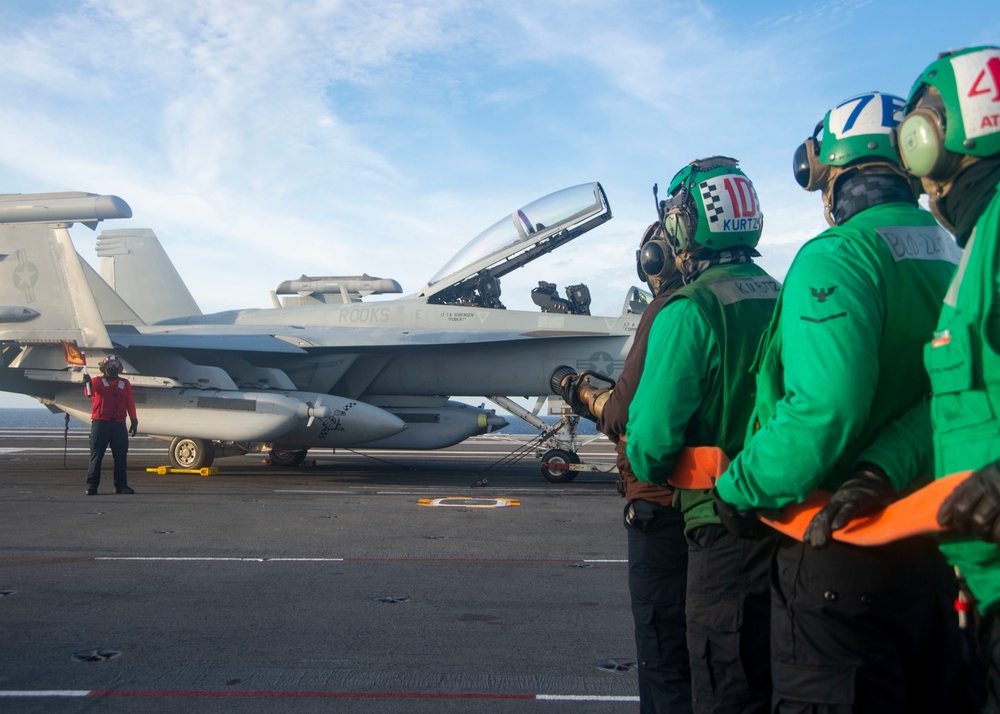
[(953, 111), (712, 205), (858, 129)]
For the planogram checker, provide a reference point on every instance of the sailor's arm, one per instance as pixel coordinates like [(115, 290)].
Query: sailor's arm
[(681, 361), (904, 449)]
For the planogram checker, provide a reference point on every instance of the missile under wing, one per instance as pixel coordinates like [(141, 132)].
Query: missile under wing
[(323, 369)]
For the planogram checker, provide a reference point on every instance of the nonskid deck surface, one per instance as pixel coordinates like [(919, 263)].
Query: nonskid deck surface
[(385, 583)]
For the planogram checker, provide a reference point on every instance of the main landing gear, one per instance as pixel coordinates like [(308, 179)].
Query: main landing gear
[(188, 453)]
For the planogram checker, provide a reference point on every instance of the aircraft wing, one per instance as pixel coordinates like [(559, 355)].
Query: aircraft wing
[(327, 339), (227, 342)]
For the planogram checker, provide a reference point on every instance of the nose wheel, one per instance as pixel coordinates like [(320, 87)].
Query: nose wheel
[(556, 465), (281, 456)]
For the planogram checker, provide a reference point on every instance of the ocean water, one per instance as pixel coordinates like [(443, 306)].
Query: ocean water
[(36, 419), (43, 419)]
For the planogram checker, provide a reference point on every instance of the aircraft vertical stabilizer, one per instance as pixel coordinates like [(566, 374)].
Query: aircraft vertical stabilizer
[(136, 267)]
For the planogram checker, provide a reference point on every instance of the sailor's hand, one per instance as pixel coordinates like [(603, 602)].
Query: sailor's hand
[(973, 508), (133, 426), (86, 378), (866, 491), (742, 525)]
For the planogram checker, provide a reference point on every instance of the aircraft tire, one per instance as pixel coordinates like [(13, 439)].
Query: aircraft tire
[(188, 453), (559, 456), (287, 457)]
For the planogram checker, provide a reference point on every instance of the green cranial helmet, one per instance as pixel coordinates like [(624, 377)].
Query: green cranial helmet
[(860, 128), (967, 85), (712, 205), (857, 130)]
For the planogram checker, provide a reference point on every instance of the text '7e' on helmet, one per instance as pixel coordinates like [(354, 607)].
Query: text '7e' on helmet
[(953, 111), (858, 129), (712, 205)]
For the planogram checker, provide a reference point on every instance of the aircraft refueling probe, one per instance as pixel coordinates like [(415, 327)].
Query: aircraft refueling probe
[(575, 388)]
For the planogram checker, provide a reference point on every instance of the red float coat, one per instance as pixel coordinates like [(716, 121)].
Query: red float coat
[(111, 400)]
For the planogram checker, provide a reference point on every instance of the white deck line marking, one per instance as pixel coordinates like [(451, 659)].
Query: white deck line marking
[(266, 559), (294, 490), (45, 693), (585, 698), (169, 695), (260, 559)]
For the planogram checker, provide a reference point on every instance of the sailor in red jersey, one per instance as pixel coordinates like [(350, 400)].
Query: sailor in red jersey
[(111, 398)]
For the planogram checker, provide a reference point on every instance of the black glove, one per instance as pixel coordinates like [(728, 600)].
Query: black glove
[(133, 426), (86, 378), (742, 525), (974, 507), (866, 491)]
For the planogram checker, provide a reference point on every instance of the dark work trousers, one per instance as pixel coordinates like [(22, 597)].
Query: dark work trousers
[(729, 614), (868, 630), (657, 570), (103, 433), (991, 657)]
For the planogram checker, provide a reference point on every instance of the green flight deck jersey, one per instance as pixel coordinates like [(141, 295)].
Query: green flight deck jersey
[(696, 388), (963, 361), (842, 356)]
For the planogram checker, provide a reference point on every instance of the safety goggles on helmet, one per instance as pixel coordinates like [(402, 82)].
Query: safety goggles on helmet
[(111, 362)]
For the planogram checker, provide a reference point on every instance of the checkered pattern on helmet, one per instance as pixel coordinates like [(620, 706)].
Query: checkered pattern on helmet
[(712, 199)]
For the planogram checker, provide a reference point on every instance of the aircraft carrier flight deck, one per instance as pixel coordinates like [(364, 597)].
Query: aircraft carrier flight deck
[(358, 583)]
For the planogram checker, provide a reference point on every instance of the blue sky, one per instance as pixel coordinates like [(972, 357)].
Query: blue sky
[(264, 139)]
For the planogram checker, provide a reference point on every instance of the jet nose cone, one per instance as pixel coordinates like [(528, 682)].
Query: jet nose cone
[(495, 422)]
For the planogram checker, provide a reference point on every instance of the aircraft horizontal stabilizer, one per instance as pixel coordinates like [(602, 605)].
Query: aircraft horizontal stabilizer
[(69, 207), (41, 271)]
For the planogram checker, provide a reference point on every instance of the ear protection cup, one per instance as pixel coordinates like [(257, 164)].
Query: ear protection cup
[(676, 229), (810, 173), (653, 260), (920, 138)]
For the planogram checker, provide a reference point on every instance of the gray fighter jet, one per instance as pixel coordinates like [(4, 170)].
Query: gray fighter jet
[(323, 368)]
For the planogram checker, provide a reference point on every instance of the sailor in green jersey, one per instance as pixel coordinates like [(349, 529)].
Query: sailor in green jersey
[(950, 139), (697, 391), (840, 360)]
